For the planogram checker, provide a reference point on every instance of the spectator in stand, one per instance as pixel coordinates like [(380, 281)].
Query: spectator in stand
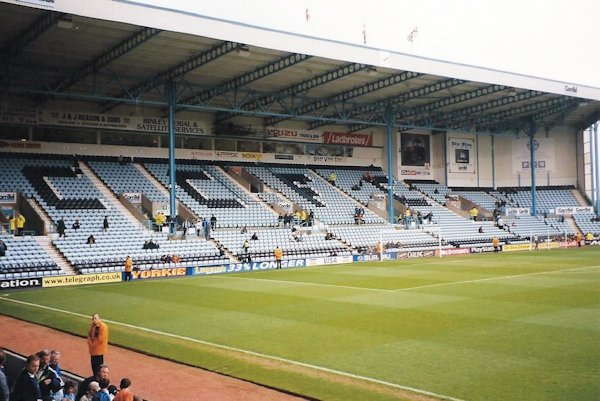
[(61, 227), (101, 373), (91, 240), (166, 259), (303, 217), (26, 387), (185, 226), (76, 226), (69, 392), (500, 223), (244, 230), (55, 362), (254, 237), (91, 390), (332, 178), (103, 394), (97, 340), (206, 228), (245, 246), (3, 248), (47, 378), (480, 230), (198, 227), (125, 393), (213, 222), (159, 220), (4, 392), (20, 223), (128, 268), (175, 258), (278, 253), (105, 224)]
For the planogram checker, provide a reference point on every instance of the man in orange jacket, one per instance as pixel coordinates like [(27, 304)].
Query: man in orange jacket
[(278, 252), (97, 340)]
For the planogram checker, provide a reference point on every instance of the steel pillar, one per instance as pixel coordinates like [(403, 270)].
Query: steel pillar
[(531, 134), (596, 167), (493, 165), (171, 95), (389, 117)]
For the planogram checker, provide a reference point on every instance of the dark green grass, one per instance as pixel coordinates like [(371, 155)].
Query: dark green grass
[(520, 326)]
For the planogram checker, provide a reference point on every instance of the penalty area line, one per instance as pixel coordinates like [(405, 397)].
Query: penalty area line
[(247, 352)]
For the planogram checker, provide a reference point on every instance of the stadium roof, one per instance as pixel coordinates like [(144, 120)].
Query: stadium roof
[(51, 57)]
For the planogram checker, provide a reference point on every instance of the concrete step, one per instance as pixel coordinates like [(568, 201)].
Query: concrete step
[(46, 243)]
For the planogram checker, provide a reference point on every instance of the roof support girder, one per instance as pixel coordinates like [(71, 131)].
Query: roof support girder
[(123, 47), (398, 100), (258, 73), (14, 46), (301, 87), (174, 73), (352, 93)]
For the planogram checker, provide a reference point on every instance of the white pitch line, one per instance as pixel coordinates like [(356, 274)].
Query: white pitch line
[(495, 278), (247, 352)]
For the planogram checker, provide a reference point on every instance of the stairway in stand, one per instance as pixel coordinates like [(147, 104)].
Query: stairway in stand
[(109, 196), (46, 243)]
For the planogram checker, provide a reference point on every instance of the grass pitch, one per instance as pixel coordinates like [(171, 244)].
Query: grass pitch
[(520, 326)]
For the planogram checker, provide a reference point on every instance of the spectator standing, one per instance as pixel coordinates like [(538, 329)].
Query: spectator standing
[(4, 393), (159, 220), (186, 225), (246, 247), (97, 340), (128, 268), (47, 378), (20, 223), (125, 393), (69, 391), (102, 372), (578, 238), (103, 394), (213, 222), (61, 227), (26, 387), (3, 248), (278, 253), (90, 392), (55, 362), (379, 250), (105, 224)]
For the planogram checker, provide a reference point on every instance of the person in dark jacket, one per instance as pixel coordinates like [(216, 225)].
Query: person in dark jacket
[(26, 387), (3, 248), (61, 227), (47, 378)]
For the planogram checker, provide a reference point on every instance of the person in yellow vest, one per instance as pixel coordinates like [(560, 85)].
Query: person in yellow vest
[(303, 217), (13, 225), (159, 220), (278, 253), (128, 268), (332, 178), (578, 238), (589, 237), (20, 223), (496, 244)]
